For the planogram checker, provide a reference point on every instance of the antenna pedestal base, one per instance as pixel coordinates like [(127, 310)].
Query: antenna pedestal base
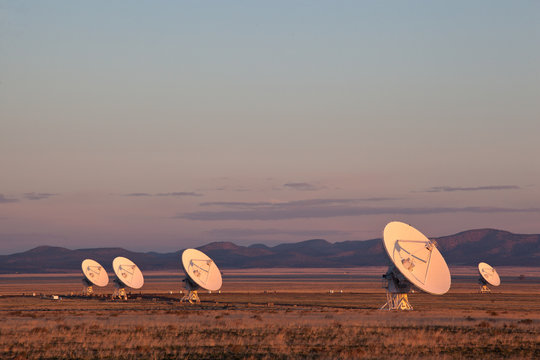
[(397, 288), (87, 289), (191, 288), (119, 293), (396, 301), (483, 286), (191, 297)]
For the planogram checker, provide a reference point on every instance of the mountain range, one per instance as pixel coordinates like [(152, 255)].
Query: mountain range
[(497, 247)]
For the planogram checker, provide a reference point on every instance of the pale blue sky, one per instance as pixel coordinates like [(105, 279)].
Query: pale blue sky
[(236, 101)]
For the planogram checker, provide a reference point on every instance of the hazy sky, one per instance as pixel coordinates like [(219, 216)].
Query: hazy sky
[(161, 125)]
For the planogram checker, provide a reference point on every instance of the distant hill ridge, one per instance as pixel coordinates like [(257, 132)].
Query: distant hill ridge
[(500, 248)]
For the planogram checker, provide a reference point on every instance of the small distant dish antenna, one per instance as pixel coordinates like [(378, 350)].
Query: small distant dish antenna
[(127, 275), (94, 274), (201, 272), (416, 263), (488, 275)]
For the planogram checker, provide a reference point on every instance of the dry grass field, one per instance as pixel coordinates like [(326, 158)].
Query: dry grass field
[(279, 314)]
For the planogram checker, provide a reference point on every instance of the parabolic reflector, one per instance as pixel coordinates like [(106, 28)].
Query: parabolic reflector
[(417, 258), (94, 272), (128, 273), (489, 274), (201, 269)]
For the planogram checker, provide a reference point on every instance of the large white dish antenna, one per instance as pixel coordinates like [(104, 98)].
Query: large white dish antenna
[(128, 273), (94, 272), (202, 270), (417, 258), (489, 274)]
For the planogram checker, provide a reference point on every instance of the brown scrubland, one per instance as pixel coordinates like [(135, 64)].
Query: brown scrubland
[(280, 317)]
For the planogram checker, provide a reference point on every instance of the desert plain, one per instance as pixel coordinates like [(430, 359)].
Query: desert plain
[(270, 314)]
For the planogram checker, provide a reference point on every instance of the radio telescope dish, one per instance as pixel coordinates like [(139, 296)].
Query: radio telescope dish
[(488, 275), (94, 274), (416, 261), (201, 272), (127, 275)]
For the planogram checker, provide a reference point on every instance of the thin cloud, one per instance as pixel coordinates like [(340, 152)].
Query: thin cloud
[(297, 203), (302, 186), (324, 202), (37, 196), (5, 200), (284, 213), (237, 204), (180, 193), (232, 188), (473, 188), (173, 194), (250, 233)]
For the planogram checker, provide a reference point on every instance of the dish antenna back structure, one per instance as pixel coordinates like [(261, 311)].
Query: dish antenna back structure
[(416, 263), (488, 275), (127, 275), (94, 274), (201, 272)]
